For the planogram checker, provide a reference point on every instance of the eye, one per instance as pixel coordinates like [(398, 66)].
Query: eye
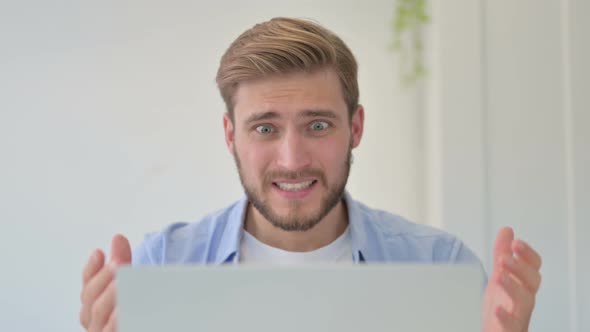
[(264, 129), (319, 125)]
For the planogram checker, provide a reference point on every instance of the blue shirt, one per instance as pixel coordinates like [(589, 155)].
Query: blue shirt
[(377, 236)]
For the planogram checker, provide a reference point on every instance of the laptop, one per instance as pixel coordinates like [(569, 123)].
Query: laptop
[(243, 298)]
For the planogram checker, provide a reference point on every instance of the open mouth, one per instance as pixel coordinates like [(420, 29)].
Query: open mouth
[(295, 186)]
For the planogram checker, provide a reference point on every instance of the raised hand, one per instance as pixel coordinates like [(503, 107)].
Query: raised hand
[(98, 291), (515, 279)]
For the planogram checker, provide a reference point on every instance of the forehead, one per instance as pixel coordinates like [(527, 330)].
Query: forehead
[(290, 94)]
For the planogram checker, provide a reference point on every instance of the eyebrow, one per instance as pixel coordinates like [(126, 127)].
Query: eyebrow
[(319, 113), (262, 116), (268, 115)]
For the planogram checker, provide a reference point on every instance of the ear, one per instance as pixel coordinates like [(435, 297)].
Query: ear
[(357, 125), (228, 128)]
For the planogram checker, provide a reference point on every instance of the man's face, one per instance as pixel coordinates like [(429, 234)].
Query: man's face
[(292, 139)]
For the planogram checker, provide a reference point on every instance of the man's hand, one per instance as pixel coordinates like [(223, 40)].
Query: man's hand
[(515, 279), (98, 291)]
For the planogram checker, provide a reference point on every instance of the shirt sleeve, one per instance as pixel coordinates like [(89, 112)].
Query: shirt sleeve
[(145, 252)]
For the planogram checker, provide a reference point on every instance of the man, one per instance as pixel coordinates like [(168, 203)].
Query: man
[(292, 120)]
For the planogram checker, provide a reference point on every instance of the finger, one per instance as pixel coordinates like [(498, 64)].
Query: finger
[(92, 291), (522, 300), (524, 273), (526, 252), (506, 320), (97, 284), (111, 325), (502, 244), (95, 263), (120, 250), (102, 308)]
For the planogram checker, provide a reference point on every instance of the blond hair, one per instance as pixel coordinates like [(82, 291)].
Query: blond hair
[(283, 46)]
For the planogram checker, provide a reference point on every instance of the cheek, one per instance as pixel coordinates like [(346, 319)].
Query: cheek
[(330, 154), (254, 158)]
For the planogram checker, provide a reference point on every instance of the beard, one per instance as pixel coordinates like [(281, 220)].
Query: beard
[(296, 220)]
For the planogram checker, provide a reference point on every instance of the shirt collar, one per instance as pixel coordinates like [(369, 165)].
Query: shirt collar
[(358, 230), (228, 249), (231, 234)]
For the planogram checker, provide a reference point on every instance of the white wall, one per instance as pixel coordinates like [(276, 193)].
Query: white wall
[(511, 145), (576, 27), (110, 121)]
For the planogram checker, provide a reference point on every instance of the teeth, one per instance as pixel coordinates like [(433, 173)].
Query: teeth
[(294, 186)]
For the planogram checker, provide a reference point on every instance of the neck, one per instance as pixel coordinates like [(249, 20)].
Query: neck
[(322, 234)]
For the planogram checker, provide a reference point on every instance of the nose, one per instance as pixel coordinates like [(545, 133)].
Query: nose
[(293, 152)]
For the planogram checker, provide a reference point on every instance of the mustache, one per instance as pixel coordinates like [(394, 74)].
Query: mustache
[(271, 176)]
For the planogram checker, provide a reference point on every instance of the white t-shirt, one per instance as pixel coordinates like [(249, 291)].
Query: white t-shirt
[(254, 251)]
